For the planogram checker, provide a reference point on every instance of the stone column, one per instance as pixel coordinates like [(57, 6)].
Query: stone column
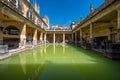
[(35, 37), (41, 36), (75, 37), (72, 37), (22, 43), (118, 25), (1, 37), (53, 38), (91, 33), (25, 9), (63, 38), (80, 34), (45, 38)]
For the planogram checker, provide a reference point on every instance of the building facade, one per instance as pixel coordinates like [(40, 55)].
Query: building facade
[(21, 25)]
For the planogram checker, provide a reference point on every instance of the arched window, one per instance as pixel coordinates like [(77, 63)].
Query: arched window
[(19, 6), (11, 30), (28, 13)]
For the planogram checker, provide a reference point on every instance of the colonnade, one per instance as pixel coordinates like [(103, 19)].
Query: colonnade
[(91, 30)]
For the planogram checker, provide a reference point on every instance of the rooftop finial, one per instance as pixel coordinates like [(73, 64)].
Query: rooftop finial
[(91, 8)]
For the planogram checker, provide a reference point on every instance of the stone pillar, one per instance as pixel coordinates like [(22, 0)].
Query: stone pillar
[(91, 33), (25, 9), (53, 38), (41, 36), (1, 37), (75, 37), (80, 35), (72, 37), (45, 38), (22, 43), (35, 37), (63, 38), (118, 25)]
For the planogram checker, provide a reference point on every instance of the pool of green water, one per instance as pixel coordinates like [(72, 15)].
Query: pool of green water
[(63, 62)]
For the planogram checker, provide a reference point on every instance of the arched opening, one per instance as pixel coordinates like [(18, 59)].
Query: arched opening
[(11, 30), (11, 37), (30, 15)]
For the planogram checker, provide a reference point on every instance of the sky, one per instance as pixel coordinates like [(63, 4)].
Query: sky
[(63, 12)]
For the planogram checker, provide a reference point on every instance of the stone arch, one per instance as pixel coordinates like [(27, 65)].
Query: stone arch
[(12, 30), (13, 40)]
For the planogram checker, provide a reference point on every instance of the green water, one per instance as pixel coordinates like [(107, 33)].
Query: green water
[(59, 63)]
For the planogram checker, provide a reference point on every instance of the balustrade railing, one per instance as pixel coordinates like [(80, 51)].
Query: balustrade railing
[(14, 4)]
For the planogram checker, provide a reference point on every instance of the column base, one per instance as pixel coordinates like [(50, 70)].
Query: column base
[(22, 43)]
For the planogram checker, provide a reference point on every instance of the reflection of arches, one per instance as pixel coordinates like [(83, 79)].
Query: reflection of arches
[(12, 30)]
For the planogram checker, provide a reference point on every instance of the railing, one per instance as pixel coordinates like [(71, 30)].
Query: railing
[(13, 4)]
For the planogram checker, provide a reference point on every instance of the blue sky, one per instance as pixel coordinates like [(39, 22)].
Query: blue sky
[(63, 12)]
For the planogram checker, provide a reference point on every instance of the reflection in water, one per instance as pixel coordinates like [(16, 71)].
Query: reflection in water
[(45, 49), (23, 62), (53, 65), (41, 52), (63, 49), (35, 55), (54, 49)]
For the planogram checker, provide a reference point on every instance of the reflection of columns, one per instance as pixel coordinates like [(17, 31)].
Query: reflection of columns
[(91, 33), (35, 56), (63, 38), (75, 37), (80, 34), (35, 37), (63, 49), (45, 38), (41, 52), (23, 36), (72, 37), (41, 36), (53, 38), (45, 49), (23, 62), (118, 25), (54, 49)]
